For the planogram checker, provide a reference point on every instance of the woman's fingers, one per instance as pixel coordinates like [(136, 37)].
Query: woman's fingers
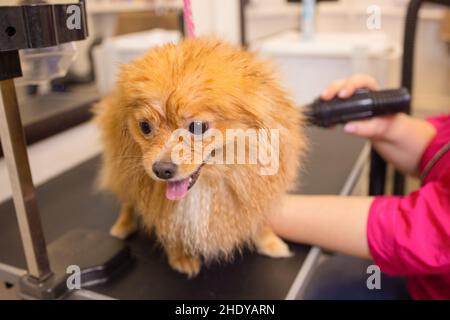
[(345, 88), (357, 82), (331, 91), (372, 128)]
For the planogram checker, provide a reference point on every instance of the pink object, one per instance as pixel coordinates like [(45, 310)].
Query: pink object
[(410, 236), (188, 19), (177, 190)]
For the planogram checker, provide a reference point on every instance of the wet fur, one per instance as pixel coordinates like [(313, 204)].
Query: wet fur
[(228, 206)]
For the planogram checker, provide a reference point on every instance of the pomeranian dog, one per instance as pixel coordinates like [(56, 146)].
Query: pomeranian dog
[(205, 209)]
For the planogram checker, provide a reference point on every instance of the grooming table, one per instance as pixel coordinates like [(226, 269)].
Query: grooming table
[(68, 202), (46, 115)]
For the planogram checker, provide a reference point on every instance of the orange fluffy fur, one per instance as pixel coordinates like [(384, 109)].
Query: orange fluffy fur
[(227, 208)]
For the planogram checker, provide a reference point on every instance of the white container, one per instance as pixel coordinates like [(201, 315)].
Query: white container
[(123, 49), (40, 66), (307, 67)]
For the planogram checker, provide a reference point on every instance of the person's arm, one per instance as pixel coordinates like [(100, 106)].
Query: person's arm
[(400, 139), (339, 223), (404, 235), (332, 222)]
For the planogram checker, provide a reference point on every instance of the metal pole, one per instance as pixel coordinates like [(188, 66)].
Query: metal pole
[(243, 22), (15, 153), (377, 174)]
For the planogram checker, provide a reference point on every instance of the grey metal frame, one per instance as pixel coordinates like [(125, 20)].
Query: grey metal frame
[(304, 275), (27, 212)]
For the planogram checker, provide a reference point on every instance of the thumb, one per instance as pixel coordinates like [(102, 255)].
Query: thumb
[(372, 128)]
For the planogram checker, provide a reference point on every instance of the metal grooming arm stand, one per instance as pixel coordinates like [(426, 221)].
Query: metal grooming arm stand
[(378, 165), (33, 26)]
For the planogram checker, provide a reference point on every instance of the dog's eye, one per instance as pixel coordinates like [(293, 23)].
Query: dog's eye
[(146, 127), (198, 127)]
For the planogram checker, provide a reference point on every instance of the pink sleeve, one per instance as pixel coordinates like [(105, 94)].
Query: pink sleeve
[(439, 121), (442, 125), (411, 235)]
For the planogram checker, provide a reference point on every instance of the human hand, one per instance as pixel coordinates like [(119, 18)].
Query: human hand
[(399, 138), (375, 128)]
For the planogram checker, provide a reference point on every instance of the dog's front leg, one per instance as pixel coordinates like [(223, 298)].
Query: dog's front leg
[(183, 262), (126, 223), (269, 244)]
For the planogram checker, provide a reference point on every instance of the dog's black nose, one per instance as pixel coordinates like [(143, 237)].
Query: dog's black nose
[(164, 170)]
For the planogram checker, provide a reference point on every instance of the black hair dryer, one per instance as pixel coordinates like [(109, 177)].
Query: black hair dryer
[(364, 104)]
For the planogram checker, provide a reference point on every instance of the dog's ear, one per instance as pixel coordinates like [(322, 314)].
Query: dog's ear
[(100, 110), (108, 115)]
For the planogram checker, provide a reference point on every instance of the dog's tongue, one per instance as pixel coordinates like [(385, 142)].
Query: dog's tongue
[(177, 190)]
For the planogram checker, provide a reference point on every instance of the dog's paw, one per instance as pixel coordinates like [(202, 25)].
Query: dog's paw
[(272, 246), (122, 230), (186, 264)]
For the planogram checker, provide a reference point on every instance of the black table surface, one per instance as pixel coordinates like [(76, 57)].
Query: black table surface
[(46, 115), (69, 201), (39, 108)]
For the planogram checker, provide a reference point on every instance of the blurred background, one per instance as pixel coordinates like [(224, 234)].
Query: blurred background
[(343, 42)]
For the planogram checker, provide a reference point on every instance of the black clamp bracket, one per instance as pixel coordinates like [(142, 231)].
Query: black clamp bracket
[(33, 26)]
